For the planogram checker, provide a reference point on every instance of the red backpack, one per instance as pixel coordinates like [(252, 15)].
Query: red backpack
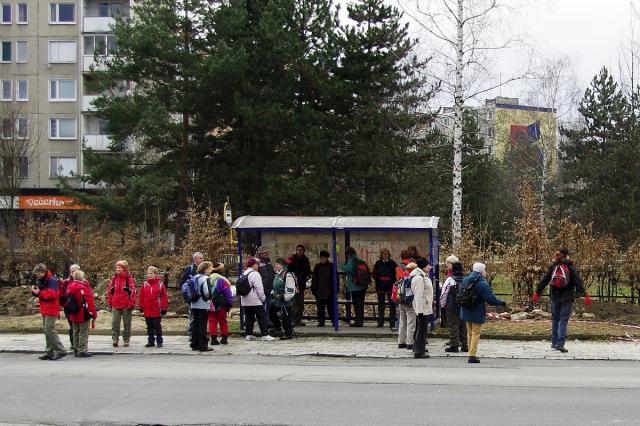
[(362, 275), (560, 276)]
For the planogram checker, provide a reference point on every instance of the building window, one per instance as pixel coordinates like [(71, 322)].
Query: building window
[(23, 171), (100, 45), (22, 52), (103, 10), (23, 127), (62, 13), (62, 128), (23, 14), (62, 167), (62, 52), (6, 90), (113, 9), (22, 90), (6, 128), (62, 90), (6, 56), (6, 14)]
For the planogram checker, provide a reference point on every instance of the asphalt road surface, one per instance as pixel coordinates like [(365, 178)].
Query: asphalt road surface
[(159, 389)]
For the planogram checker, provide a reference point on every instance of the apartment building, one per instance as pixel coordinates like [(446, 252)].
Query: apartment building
[(47, 48)]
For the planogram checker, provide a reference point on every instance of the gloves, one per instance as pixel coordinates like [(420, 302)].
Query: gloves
[(535, 298), (587, 299), (163, 313)]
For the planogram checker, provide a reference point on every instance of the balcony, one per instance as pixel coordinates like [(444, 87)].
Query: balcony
[(88, 61), (86, 103), (97, 142), (95, 24)]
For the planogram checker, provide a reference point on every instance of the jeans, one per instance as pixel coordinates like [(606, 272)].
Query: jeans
[(324, 306), (560, 313), (381, 306), (53, 344), (251, 314), (154, 329), (420, 344), (473, 337), (116, 316), (286, 319), (80, 336), (357, 297), (199, 339), (407, 327), (457, 328)]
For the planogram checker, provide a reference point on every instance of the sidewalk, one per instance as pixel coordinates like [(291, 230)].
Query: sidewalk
[(337, 347)]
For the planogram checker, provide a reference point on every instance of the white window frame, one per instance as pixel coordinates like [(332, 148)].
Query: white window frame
[(2, 6), (2, 43), (59, 138), (107, 50), (26, 8), (57, 98), (22, 117), (26, 44), (18, 98), (54, 42), (2, 82), (57, 157), (57, 4)]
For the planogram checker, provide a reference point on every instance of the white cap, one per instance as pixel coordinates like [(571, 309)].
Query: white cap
[(479, 267), (452, 259)]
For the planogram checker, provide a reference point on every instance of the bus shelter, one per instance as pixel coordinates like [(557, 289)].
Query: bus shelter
[(367, 234)]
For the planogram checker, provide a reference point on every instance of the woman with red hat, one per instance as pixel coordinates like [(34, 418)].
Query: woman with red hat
[(121, 298)]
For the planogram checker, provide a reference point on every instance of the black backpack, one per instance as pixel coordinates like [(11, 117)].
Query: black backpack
[(467, 297), (243, 286), (71, 305)]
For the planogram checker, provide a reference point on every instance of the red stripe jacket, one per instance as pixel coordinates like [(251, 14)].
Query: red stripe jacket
[(117, 295), (153, 298), (77, 289), (48, 296)]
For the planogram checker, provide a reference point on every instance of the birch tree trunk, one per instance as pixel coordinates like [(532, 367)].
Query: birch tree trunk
[(456, 211)]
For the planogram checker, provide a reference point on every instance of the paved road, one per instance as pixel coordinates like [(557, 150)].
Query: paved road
[(249, 389)]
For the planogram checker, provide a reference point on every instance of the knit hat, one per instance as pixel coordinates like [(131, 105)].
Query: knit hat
[(479, 267), (218, 267), (252, 261), (324, 253), (281, 261), (263, 249), (452, 259), (422, 263)]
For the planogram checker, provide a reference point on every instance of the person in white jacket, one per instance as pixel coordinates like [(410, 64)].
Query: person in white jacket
[(422, 304), (253, 303), (200, 309)]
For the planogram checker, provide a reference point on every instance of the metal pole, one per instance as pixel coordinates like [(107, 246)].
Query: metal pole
[(347, 305), (334, 253), (239, 275)]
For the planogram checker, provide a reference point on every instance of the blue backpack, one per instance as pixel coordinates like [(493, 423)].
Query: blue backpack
[(191, 290)]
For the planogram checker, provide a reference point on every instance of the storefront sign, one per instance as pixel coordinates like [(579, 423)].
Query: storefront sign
[(50, 202)]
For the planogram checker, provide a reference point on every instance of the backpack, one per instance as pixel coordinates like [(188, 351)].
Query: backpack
[(190, 289), (84, 305), (560, 276), (62, 292), (362, 275), (217, 297), (467, 297), (243, 286), (71, 305), (404, 292)]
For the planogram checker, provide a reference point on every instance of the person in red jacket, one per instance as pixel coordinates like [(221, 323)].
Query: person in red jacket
[(63, 298), (82, 294), (121, 298), (153, 304), (46, 291)]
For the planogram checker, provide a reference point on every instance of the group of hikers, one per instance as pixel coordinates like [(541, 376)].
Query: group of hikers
[(272, 293)]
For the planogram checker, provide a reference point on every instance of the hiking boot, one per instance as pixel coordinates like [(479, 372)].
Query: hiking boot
[(267, 338), (149, 345), (45, 357), (84, 355), (553, 346), (452, 349), (250, 338), (206, 350), (473, 360), (59, 355), (561, 349), (402, 346), (422, 355), (159, 345), (409, 347), (213, 340), (380, 325), (224, 340), (286, 337), (320, 324), (126, 343), (115, 343)]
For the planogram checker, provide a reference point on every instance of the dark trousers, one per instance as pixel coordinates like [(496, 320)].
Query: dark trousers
[(275, 313), (154, 329), (420, 344), (560, 314), (324, 306), (381, 306), (357, 297), (199, 338), (251, 314), (298, 301), (457, 327), (70, 330)]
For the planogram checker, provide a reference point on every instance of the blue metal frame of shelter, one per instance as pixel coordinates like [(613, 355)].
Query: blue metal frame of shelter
[(434, 248)]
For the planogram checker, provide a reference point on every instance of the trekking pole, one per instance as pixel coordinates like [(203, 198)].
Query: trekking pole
[(283, 311)]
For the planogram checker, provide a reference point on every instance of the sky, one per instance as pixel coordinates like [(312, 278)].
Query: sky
[(592, 33)]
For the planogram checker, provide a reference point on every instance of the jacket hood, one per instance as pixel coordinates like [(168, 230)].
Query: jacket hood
[(155, 280), (417, 271)]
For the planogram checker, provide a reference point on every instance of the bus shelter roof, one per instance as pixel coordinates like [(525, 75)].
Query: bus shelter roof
[(331, 223)]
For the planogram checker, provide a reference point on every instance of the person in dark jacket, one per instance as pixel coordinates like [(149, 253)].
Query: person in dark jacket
[(301, 268), (384, 274), (563, 295), (322, 287), (457, 327), (268, 274), (46, 290), (190, 271), (475, 316)]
